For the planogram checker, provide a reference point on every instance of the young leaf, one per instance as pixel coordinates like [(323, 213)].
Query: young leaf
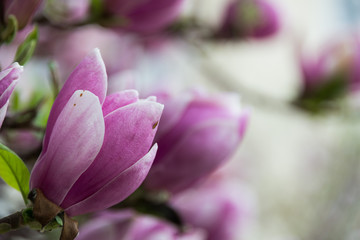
[(14, 172), (96, 10), (8, 34), (26, 48)]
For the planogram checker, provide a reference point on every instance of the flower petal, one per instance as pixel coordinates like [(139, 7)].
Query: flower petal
[(117, 189), (8, 80), (22, 10), (77, 139), (199, 110), (107, 225), (3, 111), (118, 100), (129, 134), (197, 154), (89, 75)]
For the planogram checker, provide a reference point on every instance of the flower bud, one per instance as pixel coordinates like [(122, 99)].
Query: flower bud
[(96, 147), (198, 133), (248, 18), (8, 80), (67, 11), (129, 225), (22, 10), (144, 16), (332, 74)]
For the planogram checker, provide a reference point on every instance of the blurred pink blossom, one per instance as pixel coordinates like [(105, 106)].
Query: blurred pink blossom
[(249, 18), (68, 47), (198, 133), (220, 206), (145, 16), (22, 10), (334, 72), (67, 11), (129, 225)]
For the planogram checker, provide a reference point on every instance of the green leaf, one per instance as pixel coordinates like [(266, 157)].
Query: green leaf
[(15, 101), (14, 172), (44, 112), (59, 220), (8, 34), (96, 9), (27, 48)]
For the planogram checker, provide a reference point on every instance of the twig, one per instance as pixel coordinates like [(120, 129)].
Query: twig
[(11, 222)]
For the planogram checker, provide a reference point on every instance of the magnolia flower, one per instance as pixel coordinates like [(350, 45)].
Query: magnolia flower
[(129, 225), (22, 10), (8, 79), (199, 132), (67, 11), (96, 147), (221, 207), (249, 18), (82, 40), (332, 74), (144, 16)]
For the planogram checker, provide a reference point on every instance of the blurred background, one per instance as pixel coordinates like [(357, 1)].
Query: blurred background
[(298, 167)]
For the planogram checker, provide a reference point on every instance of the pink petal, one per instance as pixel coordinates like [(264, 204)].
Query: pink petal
[(109, 225), (195, 155), (117, 189), (129, 134), (22, 10), (174, 110), (119, 99), (89, 75), (195, 112), (152, 16), (77, 139), (243, 123), (8, 80), (3, 110), (4, 98)]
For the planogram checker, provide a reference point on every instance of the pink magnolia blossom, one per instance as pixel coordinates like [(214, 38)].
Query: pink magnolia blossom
[(82, 40), (96, 147), (129, 225), (334, 72), (221, 207), (249, 18), (22, 10), (199, 132), (8, 80), (144, 16)]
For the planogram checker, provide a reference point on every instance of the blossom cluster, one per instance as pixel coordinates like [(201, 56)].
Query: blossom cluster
[(109, 139)]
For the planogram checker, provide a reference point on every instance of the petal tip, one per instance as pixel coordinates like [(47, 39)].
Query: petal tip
[(17, 66)]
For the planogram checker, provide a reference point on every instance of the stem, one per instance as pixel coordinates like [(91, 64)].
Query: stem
[(12, 222), (24, 218), (54, 78)]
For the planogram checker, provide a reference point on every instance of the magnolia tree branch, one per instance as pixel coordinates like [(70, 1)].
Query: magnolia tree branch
[(12, 222), (24, 218)]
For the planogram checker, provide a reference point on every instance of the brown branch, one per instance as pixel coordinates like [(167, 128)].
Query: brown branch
[(11, 222)]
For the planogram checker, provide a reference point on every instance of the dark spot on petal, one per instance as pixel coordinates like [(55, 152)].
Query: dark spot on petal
[(81, 94), (74, 104), (155, 125)]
